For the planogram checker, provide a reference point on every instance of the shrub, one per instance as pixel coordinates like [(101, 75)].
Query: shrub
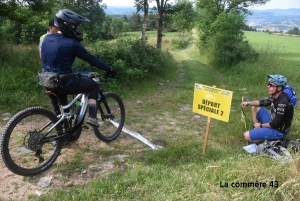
[(132, 60), (181, 43)]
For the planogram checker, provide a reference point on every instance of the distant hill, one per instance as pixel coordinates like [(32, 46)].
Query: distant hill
[(120, 10), (272, 19), (275, 19)]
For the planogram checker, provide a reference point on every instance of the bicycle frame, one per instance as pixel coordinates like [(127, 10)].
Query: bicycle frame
[(67, 116)]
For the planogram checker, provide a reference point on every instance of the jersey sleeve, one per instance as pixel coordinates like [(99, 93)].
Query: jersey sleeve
[(265, 102), (82, 53)]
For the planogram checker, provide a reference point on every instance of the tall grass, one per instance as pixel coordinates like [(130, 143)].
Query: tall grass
[(19, 87)]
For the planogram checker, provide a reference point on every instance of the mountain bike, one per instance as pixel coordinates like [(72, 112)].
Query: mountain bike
[(34, 137)]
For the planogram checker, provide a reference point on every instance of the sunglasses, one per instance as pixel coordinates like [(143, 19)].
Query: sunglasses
[(272, 85)]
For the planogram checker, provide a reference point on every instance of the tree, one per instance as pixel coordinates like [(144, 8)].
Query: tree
[(135, 22), (124, 18), (295, 31), (106, 28), (91, 9), (13, 10), (220, 23), (163, 7), (116, 27), (143, 5), (183, 17), (152, 21)]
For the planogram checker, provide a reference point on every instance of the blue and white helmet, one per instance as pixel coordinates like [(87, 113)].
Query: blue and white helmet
[(279, 80)]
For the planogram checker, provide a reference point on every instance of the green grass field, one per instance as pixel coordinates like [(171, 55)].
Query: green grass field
[(288, 46)]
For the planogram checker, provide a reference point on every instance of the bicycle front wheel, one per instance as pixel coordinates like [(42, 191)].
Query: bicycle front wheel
[(21, 149), (111, 117)]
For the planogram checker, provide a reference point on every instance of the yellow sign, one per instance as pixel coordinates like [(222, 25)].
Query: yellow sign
[(212, 102)]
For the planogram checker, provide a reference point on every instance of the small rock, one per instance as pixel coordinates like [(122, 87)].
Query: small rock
[(70, 183), (6, 114), (160, 84), (44, 181), (84, 171), (139, 101), (121, 157), (38, 193)]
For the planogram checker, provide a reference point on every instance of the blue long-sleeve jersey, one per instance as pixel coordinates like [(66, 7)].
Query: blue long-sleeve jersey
[(59, 52)]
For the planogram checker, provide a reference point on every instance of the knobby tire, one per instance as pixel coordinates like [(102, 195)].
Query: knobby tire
[(19, 141), (107, 132)]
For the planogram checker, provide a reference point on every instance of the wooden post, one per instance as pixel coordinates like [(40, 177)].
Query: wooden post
[(206, 134)]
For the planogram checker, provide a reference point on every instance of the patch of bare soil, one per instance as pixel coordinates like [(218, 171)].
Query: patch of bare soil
[(91, 165)]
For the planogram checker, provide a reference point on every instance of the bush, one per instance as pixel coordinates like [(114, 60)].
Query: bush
[(181, 43), (228, 50), (134, 61)]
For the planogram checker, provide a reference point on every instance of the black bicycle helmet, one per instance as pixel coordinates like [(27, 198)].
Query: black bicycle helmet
[(279, 80), (67, 22)]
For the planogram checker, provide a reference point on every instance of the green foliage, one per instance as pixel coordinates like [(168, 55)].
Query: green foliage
[(133, 60), (184, 16), (181, 43), (135, 22), (295, 31), (221, 37), (228, 46), (17, 11)]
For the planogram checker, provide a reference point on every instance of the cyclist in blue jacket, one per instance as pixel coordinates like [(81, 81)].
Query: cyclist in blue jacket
[(58, 54)]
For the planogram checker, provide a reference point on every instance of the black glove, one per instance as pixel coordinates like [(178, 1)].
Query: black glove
[(112, 73)]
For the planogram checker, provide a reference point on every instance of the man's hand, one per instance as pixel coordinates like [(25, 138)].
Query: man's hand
[(112, 73), (244, 104)]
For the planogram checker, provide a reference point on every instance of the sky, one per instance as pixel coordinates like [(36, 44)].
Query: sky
[(123, 2), (282, 4)]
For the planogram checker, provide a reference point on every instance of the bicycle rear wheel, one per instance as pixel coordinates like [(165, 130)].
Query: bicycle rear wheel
[(111, 122), (20, 149)]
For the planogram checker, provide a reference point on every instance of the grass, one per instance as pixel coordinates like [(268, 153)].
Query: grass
[(181, 171)]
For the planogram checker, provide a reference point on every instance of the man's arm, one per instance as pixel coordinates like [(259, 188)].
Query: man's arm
[(251, 103)]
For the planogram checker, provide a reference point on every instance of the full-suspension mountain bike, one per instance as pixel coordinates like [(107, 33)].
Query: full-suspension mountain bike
[(34, 137)]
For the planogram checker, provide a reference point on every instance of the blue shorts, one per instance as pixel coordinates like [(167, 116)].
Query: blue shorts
[(264, 116)]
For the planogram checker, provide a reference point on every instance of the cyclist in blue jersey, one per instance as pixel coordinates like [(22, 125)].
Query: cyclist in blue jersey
[(272, 125), (58, 54)]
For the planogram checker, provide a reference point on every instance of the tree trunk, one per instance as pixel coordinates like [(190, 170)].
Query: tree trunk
[(146, 8), (159, 31), (160, 10)]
